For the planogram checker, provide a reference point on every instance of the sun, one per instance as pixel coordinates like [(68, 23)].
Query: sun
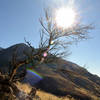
[(65, 17)]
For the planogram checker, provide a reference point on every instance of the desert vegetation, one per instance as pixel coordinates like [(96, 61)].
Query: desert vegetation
[(41, 95), (54, 42)]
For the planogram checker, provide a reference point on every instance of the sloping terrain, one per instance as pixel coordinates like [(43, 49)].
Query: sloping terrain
[(64, 82), (1, 49), (60, 77)]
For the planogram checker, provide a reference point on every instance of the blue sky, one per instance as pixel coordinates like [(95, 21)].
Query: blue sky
[(20, 18)]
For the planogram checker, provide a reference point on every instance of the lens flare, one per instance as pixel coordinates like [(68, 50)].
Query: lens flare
[(32, 77), (52, 42), (44, 54)]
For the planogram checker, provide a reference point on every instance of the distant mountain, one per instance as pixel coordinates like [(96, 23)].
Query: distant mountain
[(1, 49), (60, 77), (6, 55)]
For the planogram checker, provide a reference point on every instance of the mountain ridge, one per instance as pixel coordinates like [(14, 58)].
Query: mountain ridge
[(60, 77)]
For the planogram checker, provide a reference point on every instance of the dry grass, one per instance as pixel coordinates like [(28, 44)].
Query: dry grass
[(24, 87), (84, 91), (42, 95), (47, 96)]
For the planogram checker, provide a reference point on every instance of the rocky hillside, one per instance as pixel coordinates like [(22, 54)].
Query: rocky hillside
[(60, 77), (1, 49)]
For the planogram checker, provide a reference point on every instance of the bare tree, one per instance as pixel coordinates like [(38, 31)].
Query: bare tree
[(54, 42), (8, 88)]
